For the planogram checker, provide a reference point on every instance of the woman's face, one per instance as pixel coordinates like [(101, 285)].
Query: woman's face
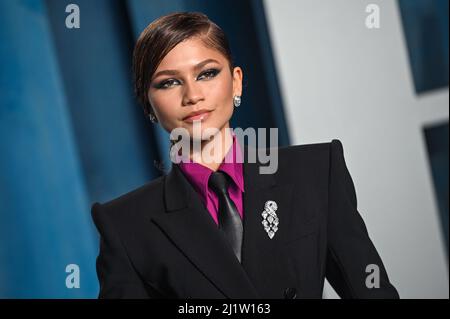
[(194, 78)]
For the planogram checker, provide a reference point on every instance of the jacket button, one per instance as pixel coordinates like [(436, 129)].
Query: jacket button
[(290, 293)]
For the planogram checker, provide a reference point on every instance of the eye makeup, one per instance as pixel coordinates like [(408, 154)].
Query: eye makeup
[(168, 83)]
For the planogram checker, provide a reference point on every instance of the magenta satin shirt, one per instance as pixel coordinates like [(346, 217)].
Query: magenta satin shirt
[(198, 176)]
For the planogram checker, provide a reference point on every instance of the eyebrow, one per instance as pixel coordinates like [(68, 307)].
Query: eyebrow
[(175, 72)]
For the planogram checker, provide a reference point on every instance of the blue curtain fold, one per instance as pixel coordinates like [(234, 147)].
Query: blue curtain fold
[(72, 132), (44, 208)]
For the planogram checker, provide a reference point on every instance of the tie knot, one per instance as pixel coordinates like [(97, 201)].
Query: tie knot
[(218, 182)]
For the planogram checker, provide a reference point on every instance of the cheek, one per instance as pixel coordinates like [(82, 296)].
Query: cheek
[(221, 93), (164, 105), (221, 96)]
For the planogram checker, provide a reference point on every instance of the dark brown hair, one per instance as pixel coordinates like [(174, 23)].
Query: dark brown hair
[(161, 36)]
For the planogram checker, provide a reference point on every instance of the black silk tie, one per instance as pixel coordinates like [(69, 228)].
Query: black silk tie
[(229, 219)]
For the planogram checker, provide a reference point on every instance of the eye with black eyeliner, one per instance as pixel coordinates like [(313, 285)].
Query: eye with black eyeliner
[(164, 84), (210, 73)]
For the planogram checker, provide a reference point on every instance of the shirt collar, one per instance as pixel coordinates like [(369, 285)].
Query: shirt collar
[(199, 175)]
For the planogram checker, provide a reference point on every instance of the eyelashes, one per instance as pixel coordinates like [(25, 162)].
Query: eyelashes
[(208, 74), (211, 73)]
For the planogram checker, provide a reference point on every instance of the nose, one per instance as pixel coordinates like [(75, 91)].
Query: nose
[(192, 93)]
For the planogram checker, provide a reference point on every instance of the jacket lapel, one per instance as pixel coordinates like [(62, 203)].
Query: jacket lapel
[(266, 260), (195, 233), (262, 188), (193, 230)]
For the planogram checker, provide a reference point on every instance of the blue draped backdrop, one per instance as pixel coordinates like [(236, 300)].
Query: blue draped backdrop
[(72, 133)]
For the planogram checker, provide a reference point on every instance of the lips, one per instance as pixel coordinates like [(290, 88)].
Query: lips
[(201, 115)]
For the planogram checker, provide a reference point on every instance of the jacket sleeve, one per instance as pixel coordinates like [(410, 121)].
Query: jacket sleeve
[(353, 268), (116, 275)]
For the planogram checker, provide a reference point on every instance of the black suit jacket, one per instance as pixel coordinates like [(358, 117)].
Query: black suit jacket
[(159, 241)]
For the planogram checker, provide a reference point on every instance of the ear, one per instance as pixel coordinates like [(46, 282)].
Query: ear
[(237, 81)]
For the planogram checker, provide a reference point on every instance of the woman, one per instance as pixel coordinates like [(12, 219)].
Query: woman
[(221, 229)]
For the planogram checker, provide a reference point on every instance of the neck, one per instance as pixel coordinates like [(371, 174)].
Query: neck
[(218, 145)]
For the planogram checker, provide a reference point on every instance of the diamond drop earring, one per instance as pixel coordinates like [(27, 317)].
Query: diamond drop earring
[(236, 100)]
